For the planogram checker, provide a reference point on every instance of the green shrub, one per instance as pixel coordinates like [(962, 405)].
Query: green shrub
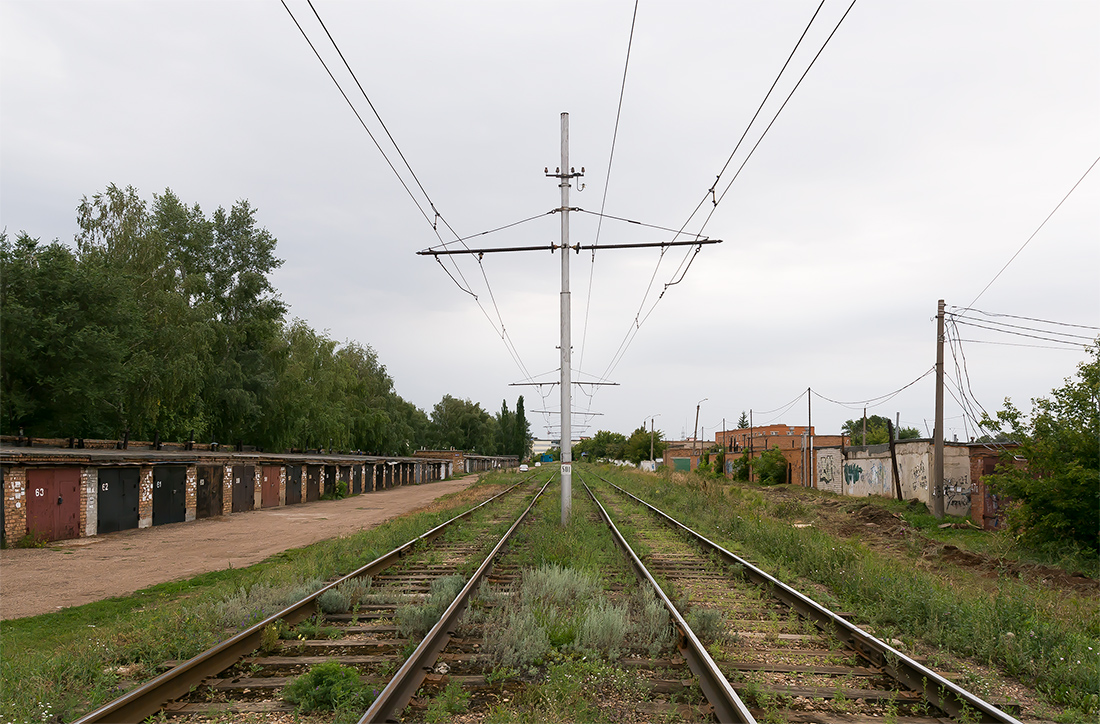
[(515, 640), (329, 686), (415, 621), (345, 596), (770, 467), (604, 629), (452, 700)]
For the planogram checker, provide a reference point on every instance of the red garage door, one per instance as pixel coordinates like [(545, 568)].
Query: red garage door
[(53, 502)]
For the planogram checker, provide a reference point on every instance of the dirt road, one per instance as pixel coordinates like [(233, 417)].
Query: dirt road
[(75, 572)]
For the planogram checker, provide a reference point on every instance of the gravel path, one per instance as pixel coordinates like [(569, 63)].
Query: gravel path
[(74, 572)]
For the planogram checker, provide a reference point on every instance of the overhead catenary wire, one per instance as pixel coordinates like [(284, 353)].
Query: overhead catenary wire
[(606, 185), (433, 221), (685, 264)]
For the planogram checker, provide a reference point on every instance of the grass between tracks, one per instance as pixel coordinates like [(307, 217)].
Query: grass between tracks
[(1046, 638), (58, 666)]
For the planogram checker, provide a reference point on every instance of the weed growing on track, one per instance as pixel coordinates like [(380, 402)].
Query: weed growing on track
[(331, 687), (1038, 635), (346, 596), (452, 700), (415, 620), (71, 659)]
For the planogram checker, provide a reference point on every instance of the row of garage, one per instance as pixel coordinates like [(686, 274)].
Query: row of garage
[(47, 497)]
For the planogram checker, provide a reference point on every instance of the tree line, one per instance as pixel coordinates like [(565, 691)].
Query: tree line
[(163, 321)]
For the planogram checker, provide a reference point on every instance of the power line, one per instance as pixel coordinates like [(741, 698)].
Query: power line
[(689, 257), (606, 185), (1029, 319), (881, 399), (509, 344), (1021, 334), (1018, 326), (1033, 234)]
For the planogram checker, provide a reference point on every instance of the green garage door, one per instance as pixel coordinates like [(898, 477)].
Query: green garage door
[(681, 464)]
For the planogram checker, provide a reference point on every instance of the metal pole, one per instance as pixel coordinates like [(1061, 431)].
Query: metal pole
[(651, 420), (937, 457), (810, 436), (566, 357)]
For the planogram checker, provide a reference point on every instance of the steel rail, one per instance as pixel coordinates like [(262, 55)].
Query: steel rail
[(728, 707), (150, 697), (410, 676), (939, 691)]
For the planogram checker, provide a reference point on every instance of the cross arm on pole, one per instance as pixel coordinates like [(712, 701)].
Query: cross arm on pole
[(576, 247)]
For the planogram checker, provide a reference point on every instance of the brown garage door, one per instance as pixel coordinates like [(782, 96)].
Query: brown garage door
[(53, 502), (208, 493), (269, 492)]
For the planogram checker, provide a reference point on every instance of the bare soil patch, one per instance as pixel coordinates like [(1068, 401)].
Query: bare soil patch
[(877, 527), (34, 581)]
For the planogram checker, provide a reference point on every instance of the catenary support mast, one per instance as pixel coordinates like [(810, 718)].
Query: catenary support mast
[(566, 356)]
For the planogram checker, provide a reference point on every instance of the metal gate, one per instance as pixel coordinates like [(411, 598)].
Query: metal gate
[(293, 484), (169, 494), (117, 501), (208, 491), (356, 479), (53, 502), (313, 483), (269, 487), (330, 480), (244, 488)]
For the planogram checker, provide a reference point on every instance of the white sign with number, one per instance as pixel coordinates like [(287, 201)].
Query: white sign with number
[(566, 468)]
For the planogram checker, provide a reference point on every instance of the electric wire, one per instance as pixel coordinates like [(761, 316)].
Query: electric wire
[(1018, 326), (505, 337), (1029, 319), (606, 185), (689, 257), (1021, 334), (874, 401), (1033, 234)]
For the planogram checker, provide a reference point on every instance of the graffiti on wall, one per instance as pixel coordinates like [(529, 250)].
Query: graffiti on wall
[(920, 476), (826, 471), (956, 495), (852, 473)]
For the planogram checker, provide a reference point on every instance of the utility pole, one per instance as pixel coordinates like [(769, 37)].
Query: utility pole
[(564, 174), (651, 457), (566, 353), (810, 436), (695, 435), (937, 455), (864, 440), (750, 444)]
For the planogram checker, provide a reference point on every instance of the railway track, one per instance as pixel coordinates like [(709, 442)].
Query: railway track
[(416, 590), (757, 649), (785, 655)]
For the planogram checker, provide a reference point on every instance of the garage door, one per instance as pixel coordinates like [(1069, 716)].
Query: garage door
[(53, 503)]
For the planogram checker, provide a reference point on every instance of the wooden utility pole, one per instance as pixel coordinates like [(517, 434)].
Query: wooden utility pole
[(936, 492), (894, 459)]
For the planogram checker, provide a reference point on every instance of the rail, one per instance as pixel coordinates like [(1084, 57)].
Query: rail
[(150, 697), (939, 691), (408, 678), (728, 707)]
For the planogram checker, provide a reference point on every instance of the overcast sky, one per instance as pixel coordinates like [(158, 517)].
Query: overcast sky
[(924, 147)]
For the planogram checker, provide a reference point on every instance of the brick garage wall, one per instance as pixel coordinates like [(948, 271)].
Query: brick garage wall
[(191, 493), (145, 498), (15, 503), (89, 477), (227, 490)]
